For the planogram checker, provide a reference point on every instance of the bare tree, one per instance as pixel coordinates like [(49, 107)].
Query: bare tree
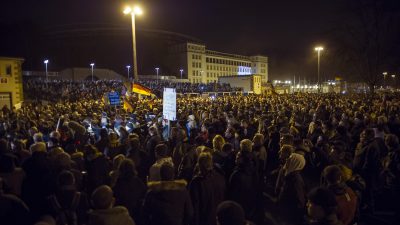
[(366, 40)]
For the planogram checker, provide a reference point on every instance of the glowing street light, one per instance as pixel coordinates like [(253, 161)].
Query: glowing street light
[(133, 11), (157, 72), (128, 67), (319, 49), (92, 65), (46, 61)]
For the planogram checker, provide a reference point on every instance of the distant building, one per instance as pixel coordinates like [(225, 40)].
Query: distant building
[(11, 92), (249, 83), (201, 65)]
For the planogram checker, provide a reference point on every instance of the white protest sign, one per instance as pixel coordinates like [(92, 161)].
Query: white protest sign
[(169, 104)]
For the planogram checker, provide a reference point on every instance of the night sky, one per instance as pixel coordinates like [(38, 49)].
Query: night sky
[(286, 30)]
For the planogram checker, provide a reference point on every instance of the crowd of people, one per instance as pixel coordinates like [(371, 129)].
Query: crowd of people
[(187, 87), (302, 158)]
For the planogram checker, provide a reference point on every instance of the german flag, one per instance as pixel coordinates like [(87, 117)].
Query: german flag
[(127, 106), (140, 89)]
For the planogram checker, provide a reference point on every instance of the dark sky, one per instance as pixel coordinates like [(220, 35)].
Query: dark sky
[(285, 30)]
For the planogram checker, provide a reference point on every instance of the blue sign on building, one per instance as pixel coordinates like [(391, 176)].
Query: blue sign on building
[(114, 99)]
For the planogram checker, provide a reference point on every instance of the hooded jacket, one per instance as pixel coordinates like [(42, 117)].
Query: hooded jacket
[(118, 215), (167, 203)]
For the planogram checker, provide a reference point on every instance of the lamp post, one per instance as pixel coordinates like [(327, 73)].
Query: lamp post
[(319, 49), (181, 70), (128, 67), (92, 65), (157, 73), (384, 78), (394, 81), (46, 61), (134, 11)]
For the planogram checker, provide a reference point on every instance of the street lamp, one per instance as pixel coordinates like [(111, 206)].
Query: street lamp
[(319, 49), (128, 67), (181, 70), (133, 11), (157, 73), (92, 65), (46, 61), (384, 78)]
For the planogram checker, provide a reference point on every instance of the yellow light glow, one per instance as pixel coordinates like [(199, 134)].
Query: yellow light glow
[(137, 10), (127, 10), (319, 48)]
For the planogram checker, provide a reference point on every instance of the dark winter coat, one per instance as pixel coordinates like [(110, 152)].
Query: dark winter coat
[(130, 192), (151, 144), (97, 172), (167, 203), (118, 215), (292, 198), (243, 188), (206, 192), (367, 162), (13, 210)]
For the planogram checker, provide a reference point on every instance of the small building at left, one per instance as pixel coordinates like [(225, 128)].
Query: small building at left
[(11, 88)]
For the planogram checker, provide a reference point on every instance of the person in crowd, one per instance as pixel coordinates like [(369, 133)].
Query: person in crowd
[(115, 169), (97, 167), (244, 185), (345, 197), (67, 205), (167, 201), (161, 151), (103, 141), (260, 153), (129, 189), (231, 213), (392, 168), (19, 149), (36, 187), (152, 141), (207, 190), (12, 175), (368, 164), (104, 212), (114, 147), (139, 157), (321, 207), (218, 154), (291, 197), (13, 210)]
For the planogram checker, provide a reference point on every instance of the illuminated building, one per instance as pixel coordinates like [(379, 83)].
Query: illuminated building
[(11, 92), (201, 65)]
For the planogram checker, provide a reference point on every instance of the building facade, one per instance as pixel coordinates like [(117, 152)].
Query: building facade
[(11, 90), (200, 65), (248, 83)]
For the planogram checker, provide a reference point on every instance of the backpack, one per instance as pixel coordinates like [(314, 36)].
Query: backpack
[(66, 216)]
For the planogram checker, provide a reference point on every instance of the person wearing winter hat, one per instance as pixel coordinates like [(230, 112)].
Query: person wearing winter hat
[(104, 211), (291, 198), (167, 201), (321, 207)]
